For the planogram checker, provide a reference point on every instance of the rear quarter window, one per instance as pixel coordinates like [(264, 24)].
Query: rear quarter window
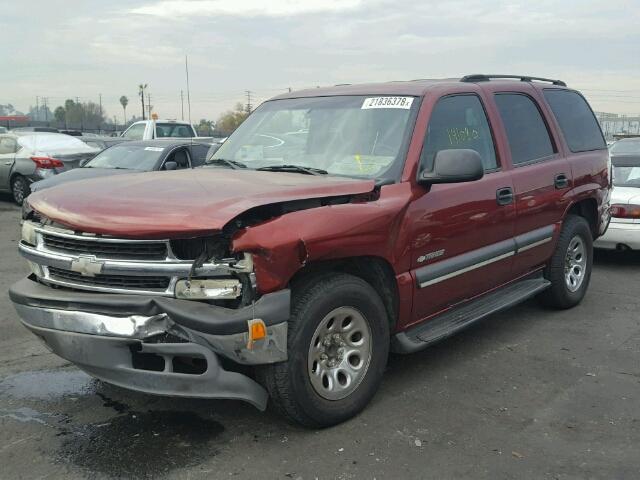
[(576, 119)]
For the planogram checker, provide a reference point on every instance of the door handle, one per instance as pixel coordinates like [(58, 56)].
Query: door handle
[(561, 181), (504, 196)]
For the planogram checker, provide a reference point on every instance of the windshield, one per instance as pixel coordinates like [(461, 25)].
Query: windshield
[(131, 157), (355, 136), (626, 147)]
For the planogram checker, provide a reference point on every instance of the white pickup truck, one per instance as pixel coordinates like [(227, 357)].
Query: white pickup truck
[(152, 129)]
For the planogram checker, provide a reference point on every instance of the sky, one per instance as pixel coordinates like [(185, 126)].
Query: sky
[(72, 48)]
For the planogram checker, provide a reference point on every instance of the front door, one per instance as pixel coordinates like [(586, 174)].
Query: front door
[(462, 237)]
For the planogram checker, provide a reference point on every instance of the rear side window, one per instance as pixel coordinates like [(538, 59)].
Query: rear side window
[(526, 131), (577, 122), (458, 121), (199, 153)]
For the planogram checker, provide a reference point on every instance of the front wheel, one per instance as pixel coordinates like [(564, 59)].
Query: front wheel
[(569, 270), (338, 343)]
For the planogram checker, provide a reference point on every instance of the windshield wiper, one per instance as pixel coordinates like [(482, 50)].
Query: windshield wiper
[(293, 168), (232, 163)]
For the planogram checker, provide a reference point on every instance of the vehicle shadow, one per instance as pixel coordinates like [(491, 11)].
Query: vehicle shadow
[(7, 198), (629, 259)]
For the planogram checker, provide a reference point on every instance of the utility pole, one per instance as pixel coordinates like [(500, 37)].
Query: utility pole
[(249, 106), (186, 71), (149, 104), (37, 107), (81, 114), (44, 104), (141, 89), (182, 103)]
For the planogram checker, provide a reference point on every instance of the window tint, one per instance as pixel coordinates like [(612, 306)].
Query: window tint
[(135, 132), (526, 131), (458, 121), (577, 122)]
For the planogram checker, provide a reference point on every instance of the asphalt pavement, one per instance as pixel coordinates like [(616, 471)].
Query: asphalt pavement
[(527, 394)]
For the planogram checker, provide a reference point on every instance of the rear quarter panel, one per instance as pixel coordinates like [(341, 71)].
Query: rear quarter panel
[(592, 179)]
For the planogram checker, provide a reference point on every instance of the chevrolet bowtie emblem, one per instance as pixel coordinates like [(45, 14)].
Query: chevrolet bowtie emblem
[(87, 265)]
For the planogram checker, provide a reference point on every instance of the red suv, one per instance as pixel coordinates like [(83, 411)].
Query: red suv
[(333, 225)]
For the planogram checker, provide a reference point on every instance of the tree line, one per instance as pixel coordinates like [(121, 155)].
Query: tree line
[(92, 116)]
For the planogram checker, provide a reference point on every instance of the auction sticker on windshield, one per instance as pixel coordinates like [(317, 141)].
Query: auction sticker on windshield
[(387, 102)]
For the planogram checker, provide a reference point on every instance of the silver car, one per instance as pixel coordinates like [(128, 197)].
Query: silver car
[(624, 230), (26, 157)]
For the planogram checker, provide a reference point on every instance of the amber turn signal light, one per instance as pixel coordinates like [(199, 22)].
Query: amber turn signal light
[(257, 331)]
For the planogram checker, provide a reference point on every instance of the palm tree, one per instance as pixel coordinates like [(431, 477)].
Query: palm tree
[(124, 101), (141, 89)]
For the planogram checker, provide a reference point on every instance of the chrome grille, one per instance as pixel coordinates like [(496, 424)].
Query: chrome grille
[(111, 249), (111, 281)]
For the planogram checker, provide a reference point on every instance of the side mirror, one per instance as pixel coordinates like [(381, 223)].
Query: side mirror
[(454, 166), (170, 166)]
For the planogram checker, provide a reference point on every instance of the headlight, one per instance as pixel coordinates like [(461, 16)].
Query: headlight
[(29, 233), (208, 289)]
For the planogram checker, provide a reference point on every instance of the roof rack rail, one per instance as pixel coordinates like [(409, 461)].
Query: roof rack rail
[(479, 77)]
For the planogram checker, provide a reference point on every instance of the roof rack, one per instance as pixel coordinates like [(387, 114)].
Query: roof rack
[(479, 77)]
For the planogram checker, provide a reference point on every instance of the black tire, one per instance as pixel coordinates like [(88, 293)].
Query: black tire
[(289, 384), (561, 295), (20, 189)]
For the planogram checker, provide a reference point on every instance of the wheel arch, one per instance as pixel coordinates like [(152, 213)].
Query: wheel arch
[(376, 271), (588, 209)]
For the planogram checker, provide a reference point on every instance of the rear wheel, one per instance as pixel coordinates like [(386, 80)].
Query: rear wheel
[(570, 267), (338, 343), (19, 189)]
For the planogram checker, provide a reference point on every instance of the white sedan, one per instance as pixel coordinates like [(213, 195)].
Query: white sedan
[(624, 230)]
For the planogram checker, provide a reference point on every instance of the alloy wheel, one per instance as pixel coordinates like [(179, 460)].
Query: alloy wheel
[(340, 353)]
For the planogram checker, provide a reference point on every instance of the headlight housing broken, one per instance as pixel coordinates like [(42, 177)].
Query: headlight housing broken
[(208, 289)]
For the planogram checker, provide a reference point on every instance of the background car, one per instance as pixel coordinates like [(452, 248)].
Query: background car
[(624, 230), (101, 142), (131, 157), (35, 129), (3, 130), (26, 157)]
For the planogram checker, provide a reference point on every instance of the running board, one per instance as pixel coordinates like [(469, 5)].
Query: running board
[(446, 324)]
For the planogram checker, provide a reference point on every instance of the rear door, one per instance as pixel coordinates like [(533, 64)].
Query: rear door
[(8, 147), (462, 234), (541, 174)]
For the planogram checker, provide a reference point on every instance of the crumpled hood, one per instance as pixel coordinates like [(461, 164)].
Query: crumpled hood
[(184, 203)]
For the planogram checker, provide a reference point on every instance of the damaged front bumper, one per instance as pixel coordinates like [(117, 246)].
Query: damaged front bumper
[(155, 344)]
